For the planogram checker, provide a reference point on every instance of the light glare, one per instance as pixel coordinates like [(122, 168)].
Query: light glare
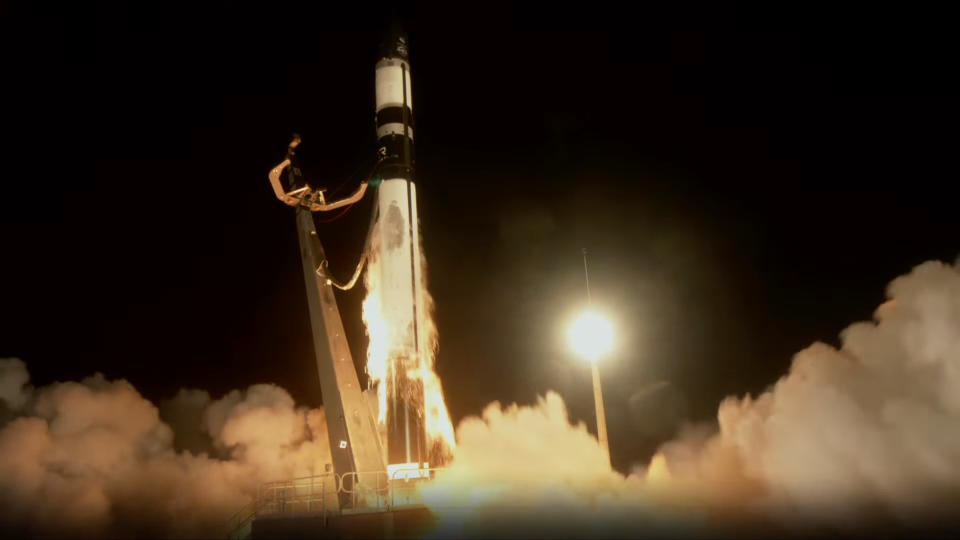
[(590, 335)]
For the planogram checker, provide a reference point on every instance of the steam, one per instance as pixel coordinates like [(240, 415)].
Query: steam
[(526, 469), (94, 458), (873, 427), (865, 434)]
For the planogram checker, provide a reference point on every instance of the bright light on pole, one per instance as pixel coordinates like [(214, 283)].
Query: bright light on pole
[(591, 336)]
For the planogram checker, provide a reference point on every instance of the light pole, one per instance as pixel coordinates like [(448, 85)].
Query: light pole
[(601, 417), (592, 336)]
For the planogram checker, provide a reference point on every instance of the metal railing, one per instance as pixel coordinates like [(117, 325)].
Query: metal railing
[(369, 491), (320, 494), (239, 525), (307, 495)]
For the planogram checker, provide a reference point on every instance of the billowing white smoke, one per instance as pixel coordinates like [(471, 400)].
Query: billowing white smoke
[(861, 434), (525, 469), (874, 426), (868, 434), (94, 458)]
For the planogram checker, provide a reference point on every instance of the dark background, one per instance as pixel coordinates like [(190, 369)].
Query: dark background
[(745, 183)]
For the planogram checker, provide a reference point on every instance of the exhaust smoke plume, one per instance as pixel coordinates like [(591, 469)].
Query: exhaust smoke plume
[(870, 430), (522, 470), (94, 458), (862, 435)]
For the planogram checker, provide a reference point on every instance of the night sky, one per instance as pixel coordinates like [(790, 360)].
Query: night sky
[(741, 193)]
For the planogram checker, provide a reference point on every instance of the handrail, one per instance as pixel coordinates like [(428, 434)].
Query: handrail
[(358, 487), (301, 495), (299, 478)]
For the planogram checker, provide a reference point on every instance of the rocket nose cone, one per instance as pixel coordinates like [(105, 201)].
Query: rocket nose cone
[(394, 44)]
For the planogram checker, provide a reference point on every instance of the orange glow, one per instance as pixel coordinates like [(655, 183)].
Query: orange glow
[(378, 337), (657, 472), (590, 335), (440, 434)]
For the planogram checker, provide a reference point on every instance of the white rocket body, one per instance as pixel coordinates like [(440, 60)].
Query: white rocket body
[(400, 272), (400, 267)]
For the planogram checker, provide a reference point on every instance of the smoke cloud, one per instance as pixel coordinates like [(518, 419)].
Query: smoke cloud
[(95, 459), (864, 435), (522, 470), (869, 431)]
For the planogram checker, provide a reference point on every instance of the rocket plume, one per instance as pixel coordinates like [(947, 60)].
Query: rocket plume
[(384, 357)]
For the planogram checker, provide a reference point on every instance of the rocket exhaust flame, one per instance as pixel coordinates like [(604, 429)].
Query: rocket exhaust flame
[(398, 369)]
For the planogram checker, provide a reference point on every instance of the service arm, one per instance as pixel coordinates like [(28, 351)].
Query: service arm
[(354, 197), (294, 197), (274, 176)]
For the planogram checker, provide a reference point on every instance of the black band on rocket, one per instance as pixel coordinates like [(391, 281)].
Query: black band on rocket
[(393, 115)]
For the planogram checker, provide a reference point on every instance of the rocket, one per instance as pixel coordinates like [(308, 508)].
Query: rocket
[(398, 249), (398, 439)]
